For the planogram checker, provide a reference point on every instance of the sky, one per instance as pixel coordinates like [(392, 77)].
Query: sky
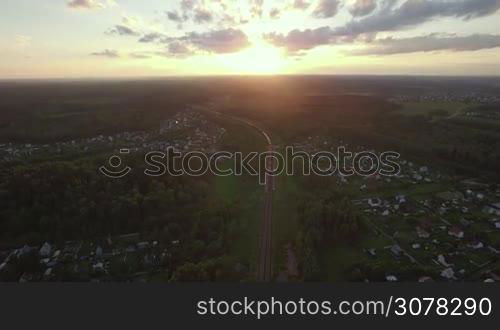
[(142, 38)]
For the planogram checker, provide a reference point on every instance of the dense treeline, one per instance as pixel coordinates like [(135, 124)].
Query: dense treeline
[(61, 201), (327, 218)]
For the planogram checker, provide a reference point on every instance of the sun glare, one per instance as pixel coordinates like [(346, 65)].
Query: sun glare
[(260, 58)]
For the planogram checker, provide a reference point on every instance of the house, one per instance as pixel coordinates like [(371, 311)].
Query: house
[(374, 202), (422, 233), (48, 273), (464, 222), (98, 267), (142, 245), (456, 232), (24, 251), (98, 252), (391, 278), (396, 250), (130, 249), (476, 245), (400, 198), (448, 273)]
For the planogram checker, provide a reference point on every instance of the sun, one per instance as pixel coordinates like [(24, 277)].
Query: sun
[(260, 58)]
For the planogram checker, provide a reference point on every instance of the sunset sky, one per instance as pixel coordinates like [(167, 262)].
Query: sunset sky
[(139, 38)]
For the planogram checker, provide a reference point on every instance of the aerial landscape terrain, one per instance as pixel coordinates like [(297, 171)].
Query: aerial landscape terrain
[(251, 141), (438, 219)]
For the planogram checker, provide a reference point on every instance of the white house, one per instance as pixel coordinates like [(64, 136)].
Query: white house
[(45, 250)]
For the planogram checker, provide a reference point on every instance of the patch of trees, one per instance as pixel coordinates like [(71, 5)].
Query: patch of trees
[(62, 201), (325, 219)]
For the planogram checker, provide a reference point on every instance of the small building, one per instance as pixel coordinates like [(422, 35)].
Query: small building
[(391, 278), (422, 233), (448, 273), (456, 232), (45, 250)]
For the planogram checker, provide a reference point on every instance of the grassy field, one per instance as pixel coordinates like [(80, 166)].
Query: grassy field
[(428, 107), (247, 195), (342, 256)]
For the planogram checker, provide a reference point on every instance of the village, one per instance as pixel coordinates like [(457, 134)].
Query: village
[(186, 131), (470, 97), (423, 217)]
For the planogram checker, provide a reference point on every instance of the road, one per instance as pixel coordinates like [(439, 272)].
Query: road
[(264, 267), (264, 262)]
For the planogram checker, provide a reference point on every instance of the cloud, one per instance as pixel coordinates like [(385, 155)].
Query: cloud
[(109, 53), (188, 5), (363, 7), (297, 40), (430, 43), (415, 12), (301, 4), (122, 30), (386, 18), (174, 16), (22, 41), (179, 49), (257, 8), (216, 41), (90, 4), (202, 15), (275, 13), (326, 8), (151, 37), (140, 55)]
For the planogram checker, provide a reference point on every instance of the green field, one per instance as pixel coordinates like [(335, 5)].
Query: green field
[(428, 107), (243, 193)]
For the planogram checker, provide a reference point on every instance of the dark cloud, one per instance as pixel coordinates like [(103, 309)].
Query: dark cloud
[(301, 4), (363, 7), (430, 43), (179, 49), (326, 8), (386, 18), (275, 13), (175, 16), (219, 41), (415, 12), (202, 15), (151, 37), (123, 30), (110, 53), (86, 4), (297, 40), (187, 5)]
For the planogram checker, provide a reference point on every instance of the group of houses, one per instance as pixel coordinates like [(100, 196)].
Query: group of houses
[(121, 257), (195, 133)]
